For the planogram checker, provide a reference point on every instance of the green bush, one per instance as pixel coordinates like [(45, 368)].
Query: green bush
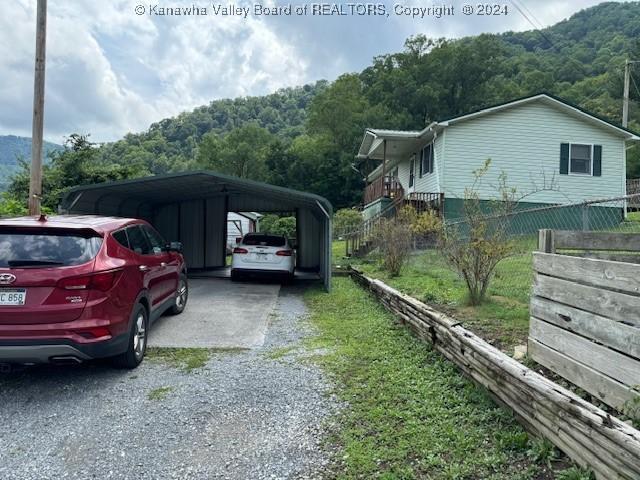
[(346, 220), (276, 225)]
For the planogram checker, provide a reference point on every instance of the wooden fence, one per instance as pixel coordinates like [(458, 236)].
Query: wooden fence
[(585, 313), (587, 434)]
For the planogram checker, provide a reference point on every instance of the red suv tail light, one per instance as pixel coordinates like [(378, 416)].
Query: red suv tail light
[(240, 250), (284, 253), (102, 281)]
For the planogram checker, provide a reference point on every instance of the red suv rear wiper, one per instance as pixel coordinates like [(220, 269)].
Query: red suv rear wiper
[(33, 263)]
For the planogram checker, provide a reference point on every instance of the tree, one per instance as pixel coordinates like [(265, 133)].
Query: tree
[(277, 225), (75, 165), (241, 152)]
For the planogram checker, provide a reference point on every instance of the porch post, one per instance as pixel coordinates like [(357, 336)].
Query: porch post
[(384, 158)]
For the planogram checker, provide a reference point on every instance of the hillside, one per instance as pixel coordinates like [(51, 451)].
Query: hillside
[(12, 149), (172, 142), (579, 59), (306, 137)]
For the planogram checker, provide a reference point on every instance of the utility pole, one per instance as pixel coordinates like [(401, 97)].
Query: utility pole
[(625, 95), (35, 184)]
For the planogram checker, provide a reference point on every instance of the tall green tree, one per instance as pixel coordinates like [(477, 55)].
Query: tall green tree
[(241, 152), (75, 165)]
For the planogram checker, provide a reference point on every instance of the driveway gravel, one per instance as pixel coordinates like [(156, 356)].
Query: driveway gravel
[(248, 414)]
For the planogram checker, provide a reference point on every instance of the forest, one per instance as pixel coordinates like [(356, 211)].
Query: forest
[(306, 137)]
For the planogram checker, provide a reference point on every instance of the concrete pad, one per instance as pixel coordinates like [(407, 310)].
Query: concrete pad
[(219, 314)]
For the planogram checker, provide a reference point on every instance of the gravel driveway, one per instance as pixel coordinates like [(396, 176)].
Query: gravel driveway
[(248, 414)]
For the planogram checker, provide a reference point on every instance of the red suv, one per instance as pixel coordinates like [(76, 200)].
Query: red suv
[(75, 288)]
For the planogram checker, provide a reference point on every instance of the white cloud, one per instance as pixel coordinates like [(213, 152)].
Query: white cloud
[(110, 71)]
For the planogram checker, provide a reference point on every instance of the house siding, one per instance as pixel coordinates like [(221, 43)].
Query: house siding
[(403, 173), (429, 181), (524, 142)]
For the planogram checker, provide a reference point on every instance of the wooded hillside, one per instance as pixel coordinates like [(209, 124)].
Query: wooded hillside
[(306, 137)]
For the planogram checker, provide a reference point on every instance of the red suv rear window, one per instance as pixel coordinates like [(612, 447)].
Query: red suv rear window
[(21, 247)]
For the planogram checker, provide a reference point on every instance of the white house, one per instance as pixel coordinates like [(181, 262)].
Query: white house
[(545, 145)]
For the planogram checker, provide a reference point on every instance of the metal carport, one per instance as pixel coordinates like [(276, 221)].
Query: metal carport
[(192, 207)]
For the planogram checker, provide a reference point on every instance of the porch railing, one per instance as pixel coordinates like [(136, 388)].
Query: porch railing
[(424, 201), (386, 186)]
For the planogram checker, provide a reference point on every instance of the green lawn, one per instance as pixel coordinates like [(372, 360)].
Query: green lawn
[(503, 319), (410, 413)]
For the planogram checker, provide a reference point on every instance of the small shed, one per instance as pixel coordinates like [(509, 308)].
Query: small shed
[(239, 224), (192, 208)]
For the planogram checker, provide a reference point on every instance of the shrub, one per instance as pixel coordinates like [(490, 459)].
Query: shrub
[(475, 246), (346, 220), (425, 227), (394, 240), (10, 206)]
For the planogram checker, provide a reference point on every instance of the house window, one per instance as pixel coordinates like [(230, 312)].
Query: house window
[(426, 160), (580, 159)]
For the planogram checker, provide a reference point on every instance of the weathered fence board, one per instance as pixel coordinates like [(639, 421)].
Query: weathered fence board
[(585, 314), (616, 365), (617, 335), (587, 434), (601, 273), (615, 257), (576, 240), (604, 388), (618, 306)]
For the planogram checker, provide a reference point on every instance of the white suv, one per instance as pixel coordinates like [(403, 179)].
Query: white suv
[(258, 253)]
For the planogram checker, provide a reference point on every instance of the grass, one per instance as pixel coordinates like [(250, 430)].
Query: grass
[(279, 353), (158, 394), (410, 413), (503, 319), (187, 359), (338, 252)]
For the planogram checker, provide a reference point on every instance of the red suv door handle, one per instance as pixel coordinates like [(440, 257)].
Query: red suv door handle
[(163, 264), (143, 268)]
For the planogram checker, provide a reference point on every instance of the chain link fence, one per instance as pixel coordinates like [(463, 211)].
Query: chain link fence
[(514, 275)]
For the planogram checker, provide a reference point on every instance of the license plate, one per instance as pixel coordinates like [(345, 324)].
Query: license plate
[(262, 257), (13, 297)]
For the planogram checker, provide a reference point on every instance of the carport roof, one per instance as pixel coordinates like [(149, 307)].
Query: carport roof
[(170, 188)]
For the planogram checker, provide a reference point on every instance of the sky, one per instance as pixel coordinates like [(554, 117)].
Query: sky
[(117, 66)]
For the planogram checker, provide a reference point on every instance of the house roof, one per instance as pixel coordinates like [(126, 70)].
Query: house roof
[(373, 138)]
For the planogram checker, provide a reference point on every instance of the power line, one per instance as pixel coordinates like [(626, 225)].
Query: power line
[(535, 27), (633, 80)]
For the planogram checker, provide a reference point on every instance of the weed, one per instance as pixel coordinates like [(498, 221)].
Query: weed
[(575, 473), (543, 451), (160, 393), (187, 359)]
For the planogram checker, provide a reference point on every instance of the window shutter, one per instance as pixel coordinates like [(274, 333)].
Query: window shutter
[(597, 160), (421, 161), (564, 158)]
